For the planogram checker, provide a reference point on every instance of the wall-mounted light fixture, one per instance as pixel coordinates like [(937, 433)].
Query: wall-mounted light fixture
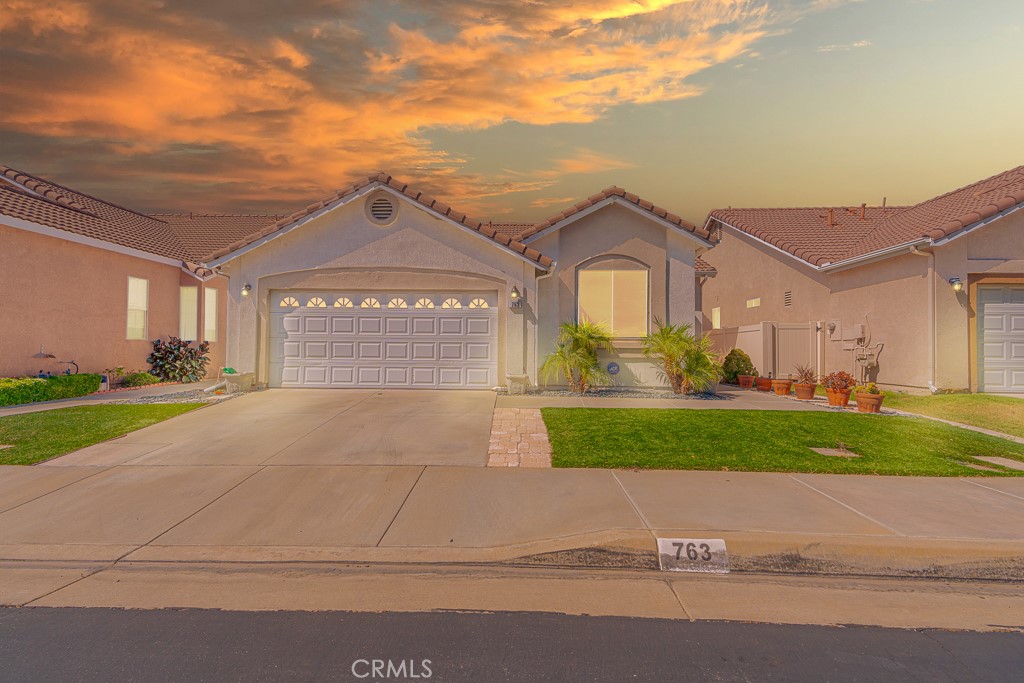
[(246, 288), (831, 328), (515, 299), (957, 284)]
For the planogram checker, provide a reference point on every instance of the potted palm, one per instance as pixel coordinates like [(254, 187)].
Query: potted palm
[(782, 387), (838, 386), (575, 355), (869, 398), (689, 364), (806, 383), (739, 369)]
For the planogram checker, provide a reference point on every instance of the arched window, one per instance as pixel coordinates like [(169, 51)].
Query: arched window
[(451, 303), (289, 302), (424, 303), (369, 302), (316, 302), (479, 303), (398, 302), (614, 292), (343, 302)]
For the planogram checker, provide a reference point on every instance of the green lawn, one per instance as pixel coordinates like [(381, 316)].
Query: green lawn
[(46, 434), (766, 441), (1000, 413)]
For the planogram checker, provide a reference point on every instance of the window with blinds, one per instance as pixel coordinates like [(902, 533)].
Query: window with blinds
[(138, 307)]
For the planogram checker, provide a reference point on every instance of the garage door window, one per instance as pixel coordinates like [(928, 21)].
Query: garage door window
[(451, 303), (343, 302), (424, 303), (398, 302), (616, 299), (316, 302), (289, 302), (370, 303)]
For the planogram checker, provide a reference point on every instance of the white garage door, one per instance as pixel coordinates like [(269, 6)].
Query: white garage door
[(1001, 338), (433, 340)]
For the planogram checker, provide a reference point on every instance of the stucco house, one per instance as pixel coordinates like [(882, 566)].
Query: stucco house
[(377, 285), (923, 298)]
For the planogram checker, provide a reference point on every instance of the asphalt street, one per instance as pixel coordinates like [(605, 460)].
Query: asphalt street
[(43, 644)]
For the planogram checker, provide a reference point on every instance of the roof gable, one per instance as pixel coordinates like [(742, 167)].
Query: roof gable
[(361, 187)]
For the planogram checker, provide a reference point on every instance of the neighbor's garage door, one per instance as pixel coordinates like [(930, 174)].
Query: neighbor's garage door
[(445, 340), (1001, 338)]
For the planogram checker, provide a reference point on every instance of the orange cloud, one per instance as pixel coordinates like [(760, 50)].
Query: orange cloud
[(208, 103)]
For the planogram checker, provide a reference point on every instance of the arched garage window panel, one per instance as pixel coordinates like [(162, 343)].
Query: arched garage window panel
[(424, 303), (289, 302), (370, 302), (451, 303), (479, 303), (343, 302), (615, 292), (398, 302), (316, 302)]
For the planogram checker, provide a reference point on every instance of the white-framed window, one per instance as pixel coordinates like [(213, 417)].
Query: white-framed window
[(210, 314), (138, 308), (754, 303), (716, 318), (615, 298), (188, 313)]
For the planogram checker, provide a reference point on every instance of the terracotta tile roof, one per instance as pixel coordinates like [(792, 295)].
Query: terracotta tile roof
[(205, 233), (807, 234), (626, 196), (33, 199), (702, 267), (513, 230), (424, 200)]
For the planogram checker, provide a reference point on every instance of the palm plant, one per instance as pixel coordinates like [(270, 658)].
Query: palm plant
[(689, 364), (575, 355)]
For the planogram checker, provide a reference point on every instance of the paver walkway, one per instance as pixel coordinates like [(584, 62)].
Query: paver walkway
[(519, 438)]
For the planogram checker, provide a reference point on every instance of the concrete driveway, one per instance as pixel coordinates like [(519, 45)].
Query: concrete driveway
[(313, 427)]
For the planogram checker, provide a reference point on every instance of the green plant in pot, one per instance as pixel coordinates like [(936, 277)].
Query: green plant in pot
[(806, 383), (739, 369), (838, 386), (869, 398)]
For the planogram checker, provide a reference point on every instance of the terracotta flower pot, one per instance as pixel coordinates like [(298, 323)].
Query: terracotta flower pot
[(781, 387), (763, 383), (805, 392), (838, 397), (869, 403), (746, 381)]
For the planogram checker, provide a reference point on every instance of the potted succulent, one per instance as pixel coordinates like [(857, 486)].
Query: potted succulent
[(838, 386), (747, 381), (869, 398), (782, 387), (806, 383), (764, 383)]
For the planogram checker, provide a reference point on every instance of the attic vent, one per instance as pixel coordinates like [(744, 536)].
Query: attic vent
[(381, 209), (787, 299)]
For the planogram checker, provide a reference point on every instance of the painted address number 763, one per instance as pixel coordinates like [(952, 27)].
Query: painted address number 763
[(691, 551)]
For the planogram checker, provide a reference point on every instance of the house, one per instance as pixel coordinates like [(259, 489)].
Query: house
[(377, 285), (919, 298)]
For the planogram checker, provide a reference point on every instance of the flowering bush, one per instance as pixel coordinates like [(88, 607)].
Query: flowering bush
[(839, 381), (176, 360)]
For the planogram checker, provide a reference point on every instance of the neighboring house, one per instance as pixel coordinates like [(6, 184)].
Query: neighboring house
[(922, 297), (376, 286), (87, 281)]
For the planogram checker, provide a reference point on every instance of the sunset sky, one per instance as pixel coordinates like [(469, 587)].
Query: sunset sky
[(511, 110)]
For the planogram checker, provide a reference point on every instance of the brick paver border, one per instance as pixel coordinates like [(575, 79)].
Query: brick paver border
[(518, 439)]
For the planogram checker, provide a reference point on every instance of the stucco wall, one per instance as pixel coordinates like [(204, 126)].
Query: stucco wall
[(72, 299), (889, 297), (342, 249), (615, 230)]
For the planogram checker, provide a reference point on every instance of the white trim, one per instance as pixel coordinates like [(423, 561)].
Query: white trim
[(615, 199), (39, 229), (362, 192)]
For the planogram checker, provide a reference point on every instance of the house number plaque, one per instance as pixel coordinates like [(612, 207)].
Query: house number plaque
[(704, 555)]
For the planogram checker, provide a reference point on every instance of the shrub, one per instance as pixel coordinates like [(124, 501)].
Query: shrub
[(176, 360), (737, 362), (32, 389), (689, 364), (839, 381), (575, 355), (139, 379)]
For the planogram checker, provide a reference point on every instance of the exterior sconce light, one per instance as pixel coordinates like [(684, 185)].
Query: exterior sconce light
[(831, 328), (957, 284), (246, 288), (515, 299)]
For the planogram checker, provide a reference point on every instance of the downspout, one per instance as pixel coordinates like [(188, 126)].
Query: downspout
[(931, 315), (536, 323)]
